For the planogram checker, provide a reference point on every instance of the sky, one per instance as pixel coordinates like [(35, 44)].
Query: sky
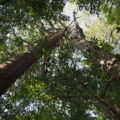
[(85, 18)]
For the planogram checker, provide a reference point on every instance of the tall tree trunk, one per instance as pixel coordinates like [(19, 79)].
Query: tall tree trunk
[(16, 66), (97, 56)]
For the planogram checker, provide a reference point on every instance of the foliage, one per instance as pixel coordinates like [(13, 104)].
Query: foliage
[(62, 84), (112, 11)]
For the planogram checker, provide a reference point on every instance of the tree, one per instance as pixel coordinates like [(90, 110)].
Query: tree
[(16, 66), (57, 80)]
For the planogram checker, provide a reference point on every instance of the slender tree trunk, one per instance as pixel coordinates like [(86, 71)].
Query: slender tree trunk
[(16, 66)]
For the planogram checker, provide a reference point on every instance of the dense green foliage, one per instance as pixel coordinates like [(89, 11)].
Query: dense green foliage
[(62, 84)]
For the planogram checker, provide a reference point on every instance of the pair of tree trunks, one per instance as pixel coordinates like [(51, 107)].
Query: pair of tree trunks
[(16, 66)]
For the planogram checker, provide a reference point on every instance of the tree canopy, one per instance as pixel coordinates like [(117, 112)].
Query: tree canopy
[(53, 69)]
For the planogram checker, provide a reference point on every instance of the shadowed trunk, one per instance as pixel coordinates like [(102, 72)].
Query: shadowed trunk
[(16, 66), (106, 104)]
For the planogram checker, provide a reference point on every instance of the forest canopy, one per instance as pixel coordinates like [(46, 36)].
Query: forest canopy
[(59, 67)]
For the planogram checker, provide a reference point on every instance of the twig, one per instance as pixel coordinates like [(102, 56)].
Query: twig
[(21, 39), (52, 26), (45, 28)]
